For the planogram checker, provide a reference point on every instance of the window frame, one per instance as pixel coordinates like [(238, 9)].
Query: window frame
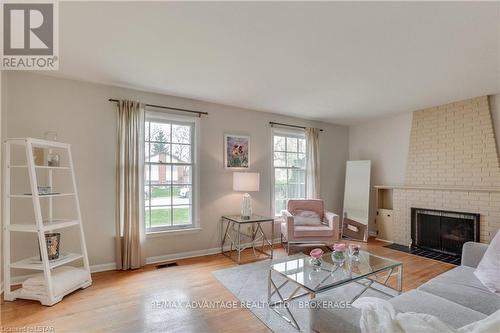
[(298, 133), (167, 118)]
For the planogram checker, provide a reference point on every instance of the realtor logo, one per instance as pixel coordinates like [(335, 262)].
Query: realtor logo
[(29, 35)]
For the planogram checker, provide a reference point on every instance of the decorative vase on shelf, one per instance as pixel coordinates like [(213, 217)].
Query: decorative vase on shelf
[(52, 157), (338, 254)]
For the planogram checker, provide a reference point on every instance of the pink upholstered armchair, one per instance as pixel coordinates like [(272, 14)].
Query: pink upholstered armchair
[(300, 224)]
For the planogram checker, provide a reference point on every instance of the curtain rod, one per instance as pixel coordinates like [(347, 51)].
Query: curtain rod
[(272, 123), (199, 113)]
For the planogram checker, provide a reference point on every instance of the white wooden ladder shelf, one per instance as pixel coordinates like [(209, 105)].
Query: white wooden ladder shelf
[(54, 293)]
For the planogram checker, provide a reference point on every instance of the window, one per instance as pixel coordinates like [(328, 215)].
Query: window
[(169, 172), (289, 163)]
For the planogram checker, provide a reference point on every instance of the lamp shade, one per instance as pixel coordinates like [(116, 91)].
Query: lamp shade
[(246, 181)]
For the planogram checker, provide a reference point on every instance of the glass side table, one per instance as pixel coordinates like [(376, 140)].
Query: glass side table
[(231, 232)]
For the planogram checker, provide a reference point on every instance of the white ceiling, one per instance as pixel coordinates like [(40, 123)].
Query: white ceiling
[(337, 62)]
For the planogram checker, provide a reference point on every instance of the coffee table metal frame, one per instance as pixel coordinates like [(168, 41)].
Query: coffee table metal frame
[(371, 278), (233, 233)]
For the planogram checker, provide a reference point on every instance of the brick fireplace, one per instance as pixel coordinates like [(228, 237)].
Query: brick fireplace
[(453, 165)]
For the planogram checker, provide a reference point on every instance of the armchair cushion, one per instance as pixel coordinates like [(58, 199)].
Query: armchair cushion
[(313, 231), (310, 205), (306, 217)]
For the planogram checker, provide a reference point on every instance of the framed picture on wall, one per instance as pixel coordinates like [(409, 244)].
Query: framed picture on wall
[(236, 151)]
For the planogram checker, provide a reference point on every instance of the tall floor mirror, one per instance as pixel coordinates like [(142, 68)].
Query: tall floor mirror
[(356, 200)]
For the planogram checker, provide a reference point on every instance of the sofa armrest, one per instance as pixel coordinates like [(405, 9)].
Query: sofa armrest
[(472, 253), (333, 320)]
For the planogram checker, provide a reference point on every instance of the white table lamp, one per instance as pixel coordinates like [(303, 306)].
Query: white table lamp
[(246, 182)]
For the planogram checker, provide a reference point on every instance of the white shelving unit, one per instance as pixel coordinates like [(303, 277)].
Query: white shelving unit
[(39, 225)]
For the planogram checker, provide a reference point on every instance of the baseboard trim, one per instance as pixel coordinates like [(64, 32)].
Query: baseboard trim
[(192, 254), (384, 240), (111, 266), (182, 255)]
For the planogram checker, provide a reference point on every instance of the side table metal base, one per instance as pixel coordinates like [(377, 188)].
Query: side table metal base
[(232, 233)]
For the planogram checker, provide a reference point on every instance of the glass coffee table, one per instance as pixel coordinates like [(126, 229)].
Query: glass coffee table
[(310, 280)]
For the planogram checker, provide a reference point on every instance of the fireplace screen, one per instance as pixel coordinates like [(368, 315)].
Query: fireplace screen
[(443, 231)]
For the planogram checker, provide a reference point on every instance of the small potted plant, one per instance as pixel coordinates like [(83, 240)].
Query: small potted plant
[(338, 254)]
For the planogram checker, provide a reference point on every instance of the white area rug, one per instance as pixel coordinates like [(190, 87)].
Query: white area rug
[(249, 284)]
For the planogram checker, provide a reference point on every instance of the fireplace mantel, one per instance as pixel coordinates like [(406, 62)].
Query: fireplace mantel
[(438, 188)]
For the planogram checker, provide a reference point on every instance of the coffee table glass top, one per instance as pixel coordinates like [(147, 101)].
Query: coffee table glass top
[(252, 219), (300, 270)]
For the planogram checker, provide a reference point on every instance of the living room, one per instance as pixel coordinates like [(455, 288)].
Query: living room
[(252, 166)]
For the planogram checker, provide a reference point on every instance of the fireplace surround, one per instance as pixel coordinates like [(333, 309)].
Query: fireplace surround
[(453, 166), (443, 231)]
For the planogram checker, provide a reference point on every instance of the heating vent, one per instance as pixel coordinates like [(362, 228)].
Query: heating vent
[(170, 264)]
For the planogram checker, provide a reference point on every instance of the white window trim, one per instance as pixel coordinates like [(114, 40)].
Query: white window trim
[(283, 131), (171, 232), (195, 226)]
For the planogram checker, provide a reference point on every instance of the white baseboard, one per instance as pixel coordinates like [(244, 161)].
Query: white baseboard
[(192, 254), (182, 255), (384, 240), (150, 260), (110, 266)]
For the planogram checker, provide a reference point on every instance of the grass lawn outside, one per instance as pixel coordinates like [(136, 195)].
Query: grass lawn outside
[(161, 216), (165, 191), (159, 192)]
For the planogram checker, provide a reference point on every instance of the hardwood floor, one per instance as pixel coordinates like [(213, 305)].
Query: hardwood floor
[(121, 301)]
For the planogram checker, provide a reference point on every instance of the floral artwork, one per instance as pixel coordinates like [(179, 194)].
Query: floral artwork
[(236, 151)]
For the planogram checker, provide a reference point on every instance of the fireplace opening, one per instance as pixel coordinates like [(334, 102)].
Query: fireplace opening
[(443, 231)]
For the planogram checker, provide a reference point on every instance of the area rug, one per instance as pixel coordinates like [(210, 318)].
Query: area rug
[(249, 284)]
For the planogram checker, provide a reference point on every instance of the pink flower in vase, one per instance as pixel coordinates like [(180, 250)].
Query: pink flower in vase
[(316, 253), (354, 250), (338, 254), (354, 247), (339, 247)]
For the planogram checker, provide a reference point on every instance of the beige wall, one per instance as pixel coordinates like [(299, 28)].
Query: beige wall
[(2, 100), (384, 142), (81, 115)]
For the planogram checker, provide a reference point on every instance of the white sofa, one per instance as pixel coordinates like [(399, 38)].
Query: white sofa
[(456, 297)]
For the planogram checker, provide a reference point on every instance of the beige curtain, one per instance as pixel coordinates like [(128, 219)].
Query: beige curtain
[(312, 164), (129, 186)]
